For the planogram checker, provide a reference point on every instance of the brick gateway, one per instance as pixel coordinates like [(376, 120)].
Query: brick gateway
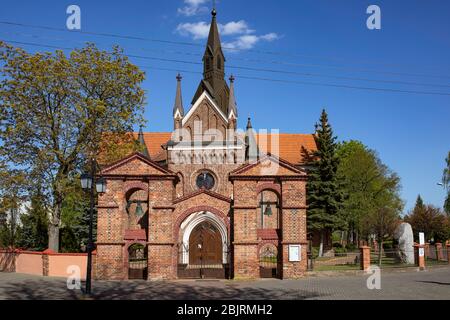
[(202, 201)]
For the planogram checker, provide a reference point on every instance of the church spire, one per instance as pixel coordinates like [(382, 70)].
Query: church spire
[(214, 69), (142, 143), (178, 109), (232, 110), (213, 46)]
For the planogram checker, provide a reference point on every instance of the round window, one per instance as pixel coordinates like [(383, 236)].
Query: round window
[(205, 180)]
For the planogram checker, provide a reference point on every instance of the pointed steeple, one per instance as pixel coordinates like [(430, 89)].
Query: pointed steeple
[(142, 142), (213, 46), (214, 69), (251, 146), (249, 124), (232, 109), (178, 110)]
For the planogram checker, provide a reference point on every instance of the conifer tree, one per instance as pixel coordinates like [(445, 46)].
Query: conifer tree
[(323, 195), (33, 232)]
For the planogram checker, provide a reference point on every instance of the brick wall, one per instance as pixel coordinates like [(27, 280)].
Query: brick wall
[(110, 262)]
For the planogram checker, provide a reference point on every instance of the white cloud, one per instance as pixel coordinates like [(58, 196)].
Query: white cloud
[(235, 27), (270, 36), (247, 42), (193, 7), (198, 30), (245, 38)]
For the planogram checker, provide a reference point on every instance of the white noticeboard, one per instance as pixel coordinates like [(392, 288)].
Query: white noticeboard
[(295, 252), (421, 242), (421, 238)]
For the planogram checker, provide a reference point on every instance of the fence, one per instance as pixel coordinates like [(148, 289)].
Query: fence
[(436, 254), (389, 258), (45, 263)]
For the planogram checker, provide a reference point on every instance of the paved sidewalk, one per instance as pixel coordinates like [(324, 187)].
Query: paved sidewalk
[(433, 283)]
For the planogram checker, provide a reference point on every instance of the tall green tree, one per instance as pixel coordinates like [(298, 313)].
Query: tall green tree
[(323, 194), (371, 204), (54, 109), (446, 184), (361, 175), (356, 170), (383, 214)]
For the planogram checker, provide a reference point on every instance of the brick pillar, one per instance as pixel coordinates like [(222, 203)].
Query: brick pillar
[(438, 251), (448, 253), (420, 260), (45, 265), (365, 257)]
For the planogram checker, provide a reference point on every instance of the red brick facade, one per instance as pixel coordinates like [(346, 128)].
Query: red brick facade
[(238, 211), (200, 206)]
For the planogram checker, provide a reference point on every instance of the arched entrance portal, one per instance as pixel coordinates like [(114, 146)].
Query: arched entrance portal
[(203, 247)]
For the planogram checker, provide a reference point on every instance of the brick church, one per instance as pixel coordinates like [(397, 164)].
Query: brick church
[(206, 200)]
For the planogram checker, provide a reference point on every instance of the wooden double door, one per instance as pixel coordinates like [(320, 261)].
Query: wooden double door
[(205, 246)]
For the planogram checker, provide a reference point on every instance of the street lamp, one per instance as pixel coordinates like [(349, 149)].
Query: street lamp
[(88, 182)]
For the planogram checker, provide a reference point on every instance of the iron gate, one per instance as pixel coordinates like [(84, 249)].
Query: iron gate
[(200, 269), (269, 262), (137, 262)]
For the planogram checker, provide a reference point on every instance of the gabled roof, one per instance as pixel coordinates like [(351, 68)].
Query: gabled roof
[(260, 168), (203, 191), (154, 168), (203, 96)]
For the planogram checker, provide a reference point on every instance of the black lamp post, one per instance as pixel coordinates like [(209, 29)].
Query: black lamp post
[(87, 183)]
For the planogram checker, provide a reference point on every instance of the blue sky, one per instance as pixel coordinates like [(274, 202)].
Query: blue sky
[(327, 38)]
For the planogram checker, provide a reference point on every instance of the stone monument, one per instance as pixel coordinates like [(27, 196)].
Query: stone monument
[(404, 236)]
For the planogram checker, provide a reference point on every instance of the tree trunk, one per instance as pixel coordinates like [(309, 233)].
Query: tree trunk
[(53, 228), (53, 237), (321, 244), (380, 252)]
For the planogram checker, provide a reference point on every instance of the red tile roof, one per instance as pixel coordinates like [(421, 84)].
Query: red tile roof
[(289, 149)]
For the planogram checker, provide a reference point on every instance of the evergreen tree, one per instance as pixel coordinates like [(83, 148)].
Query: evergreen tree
[(323, 195), (33, 232), (429, 220), (75, 219), (419, 203)]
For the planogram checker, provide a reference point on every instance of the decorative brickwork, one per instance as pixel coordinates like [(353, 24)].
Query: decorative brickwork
[(202, 182)]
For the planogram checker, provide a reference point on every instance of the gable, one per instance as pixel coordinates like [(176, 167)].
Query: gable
[(204, 196), (134, 165), (268, 166), (204, 99)]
